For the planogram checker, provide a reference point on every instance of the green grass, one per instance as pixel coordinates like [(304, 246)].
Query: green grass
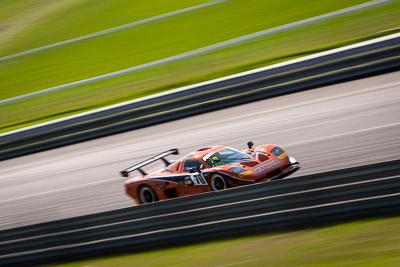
[(48, 21), (160, 39), (374, 242)]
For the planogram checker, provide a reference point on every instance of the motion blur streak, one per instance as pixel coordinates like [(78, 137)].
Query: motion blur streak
[(339, 132), (61, 189)]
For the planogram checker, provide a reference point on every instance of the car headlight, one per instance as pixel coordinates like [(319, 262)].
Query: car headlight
[(277, 151)]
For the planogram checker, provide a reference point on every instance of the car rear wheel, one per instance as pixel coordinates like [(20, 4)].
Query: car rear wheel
[(218, 182), (146, 195)]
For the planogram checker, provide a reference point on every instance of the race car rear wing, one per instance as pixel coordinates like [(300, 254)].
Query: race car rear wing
[(125, 173)]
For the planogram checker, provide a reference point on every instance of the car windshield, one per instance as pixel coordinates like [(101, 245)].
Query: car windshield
[(225, 155)]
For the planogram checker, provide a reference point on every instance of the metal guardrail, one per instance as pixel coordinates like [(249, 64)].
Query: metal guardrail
[(279, 205), (301, 75)]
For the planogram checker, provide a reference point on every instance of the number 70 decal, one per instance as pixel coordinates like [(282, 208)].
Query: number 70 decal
[(198, 179)]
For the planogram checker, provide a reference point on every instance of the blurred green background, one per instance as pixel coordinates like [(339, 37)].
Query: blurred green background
[(28, 24)]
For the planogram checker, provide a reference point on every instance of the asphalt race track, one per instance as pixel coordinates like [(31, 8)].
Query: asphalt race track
[(329, 128)]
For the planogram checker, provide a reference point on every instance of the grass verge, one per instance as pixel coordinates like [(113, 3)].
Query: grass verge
[(372, 242)]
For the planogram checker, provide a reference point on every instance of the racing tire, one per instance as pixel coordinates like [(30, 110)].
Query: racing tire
[(147, 195), (217, 182)]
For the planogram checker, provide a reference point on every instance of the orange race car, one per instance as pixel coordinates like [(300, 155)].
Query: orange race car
[(208, 169)]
